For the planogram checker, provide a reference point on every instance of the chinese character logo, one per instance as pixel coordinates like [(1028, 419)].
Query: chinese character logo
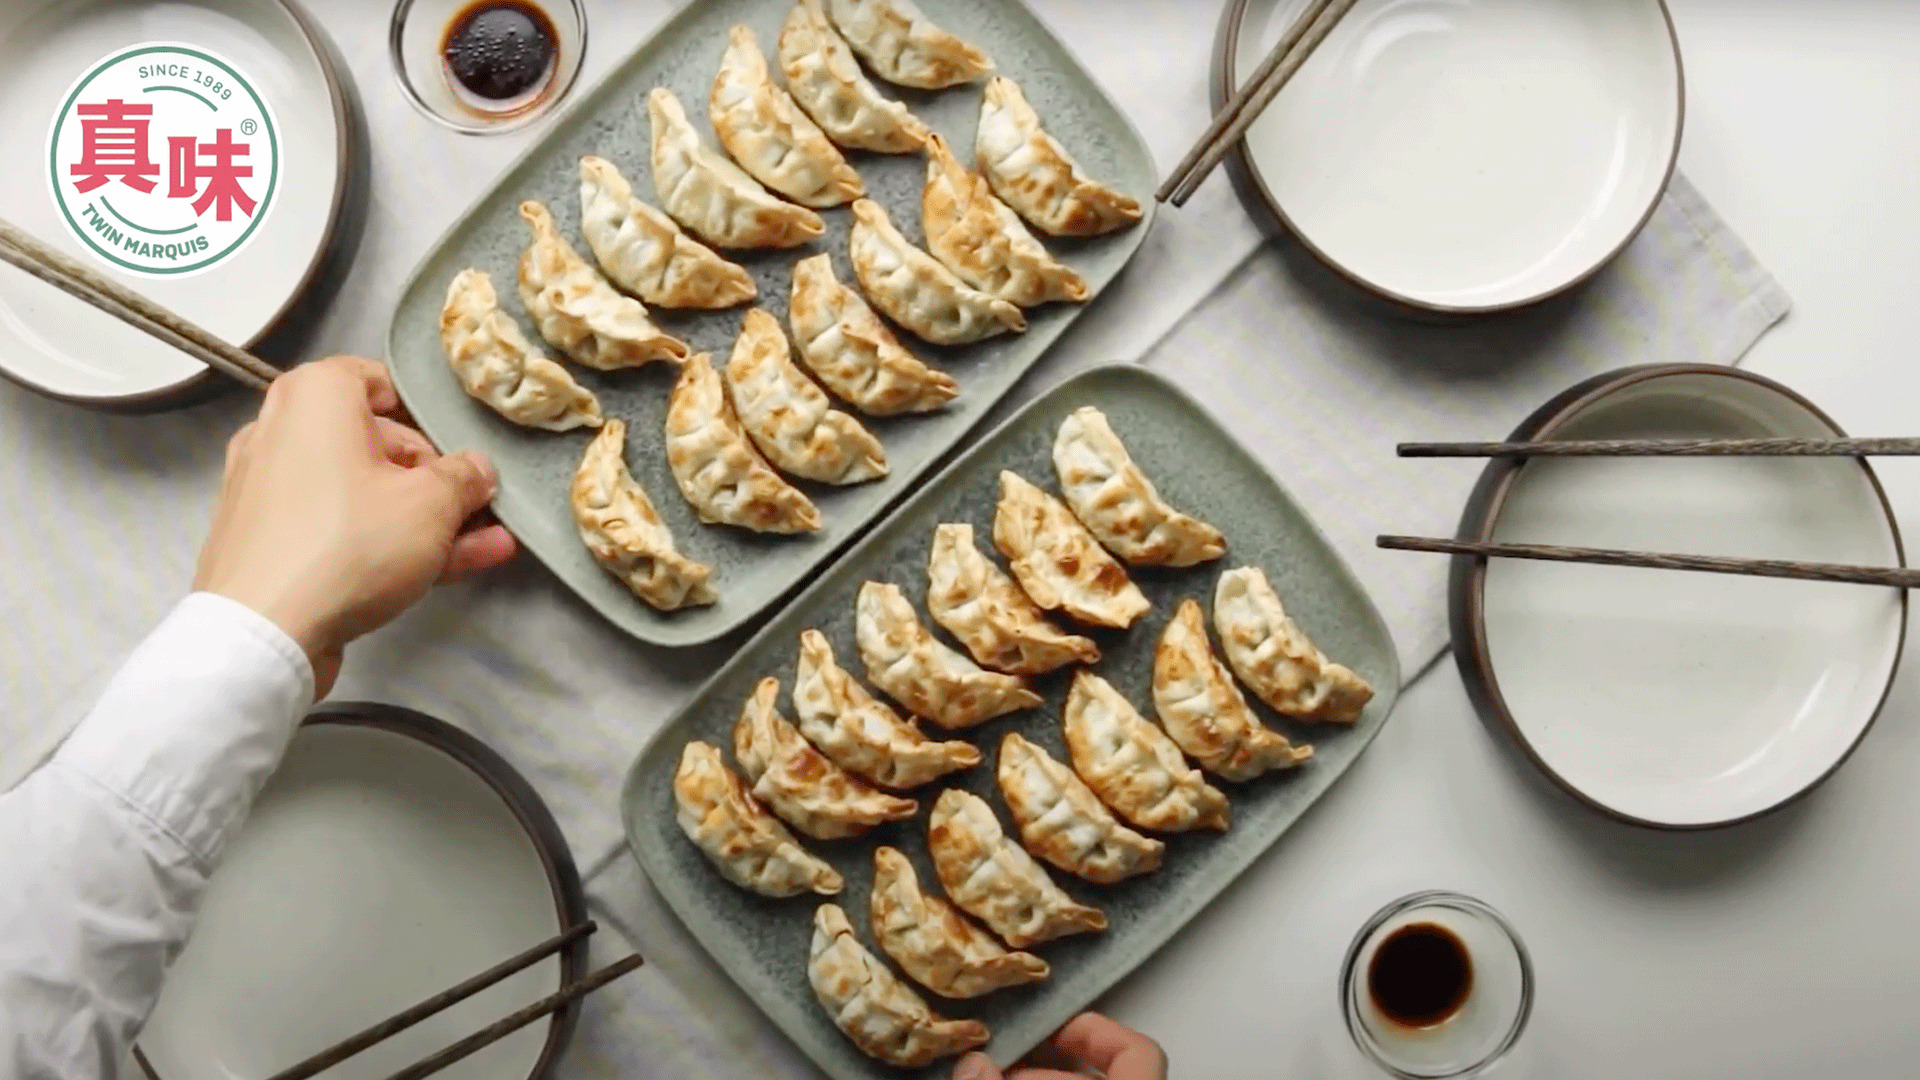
[(164, 159)]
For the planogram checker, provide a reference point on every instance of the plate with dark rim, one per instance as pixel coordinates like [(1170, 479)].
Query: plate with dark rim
[(1663, 698), (763, 943), (391, 856), (751, 571)]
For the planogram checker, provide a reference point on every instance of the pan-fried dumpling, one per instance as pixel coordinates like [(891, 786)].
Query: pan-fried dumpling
[(1274, 657), (718, 470), (769, 136), (904, 47), (881, 1014), (1204, 711), (1118, 504), (811, 793), (934, 943), (849, 349), (1063, 822), (860, 733), (789, 418), (1035, 175), (985, 611), (910, 286), (495, 363), (990, 878), (826, 80), (748, 845), (983, 241), (575, 309), (1058, 562), (624, 532), (931, 680), (644, 252), (704, 191), (1131, 764)]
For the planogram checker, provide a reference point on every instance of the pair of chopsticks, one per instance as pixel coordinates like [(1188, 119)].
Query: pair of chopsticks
[(1230, 124), (393, 1025), (74, 279), (1899, 578)]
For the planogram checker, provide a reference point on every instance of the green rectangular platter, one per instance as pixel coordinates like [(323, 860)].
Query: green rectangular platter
[(750, 571), (763, 943)]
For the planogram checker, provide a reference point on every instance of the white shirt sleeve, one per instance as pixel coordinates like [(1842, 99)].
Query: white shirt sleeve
[(106, 849)]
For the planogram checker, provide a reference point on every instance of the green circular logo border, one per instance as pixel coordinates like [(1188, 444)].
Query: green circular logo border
[(60, 118)]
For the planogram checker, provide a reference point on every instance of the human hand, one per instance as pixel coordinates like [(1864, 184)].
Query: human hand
[(1115, 1052), (334, 518)]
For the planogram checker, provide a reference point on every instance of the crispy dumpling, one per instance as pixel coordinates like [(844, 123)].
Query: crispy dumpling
[(789, 418), (644, 252), (826, 80), (931, 680), (1058, 562), (904, 47), (1062, 821), (935, 944), (620, 526), (986, 612), (1118, 504), (852, 352), (809, 792), (704, 191), (497, 366), (910, 286), (1035, 175), (722, 476), (575, 309), (990, 878), (1203, 709), (769, 136), (748, 845), (859, 733), (1132, 765), (1274, 657), (869, 1003), (983, 241)]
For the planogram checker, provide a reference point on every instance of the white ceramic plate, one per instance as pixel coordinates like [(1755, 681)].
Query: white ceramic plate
[(1670, 698), (58, 345), (376, 870), (1466, 155)]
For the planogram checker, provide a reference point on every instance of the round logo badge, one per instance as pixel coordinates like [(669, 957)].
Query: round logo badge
[(163, 159)]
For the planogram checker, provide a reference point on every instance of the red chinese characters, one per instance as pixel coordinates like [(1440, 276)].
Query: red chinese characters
[(190, 161), (113, 145)]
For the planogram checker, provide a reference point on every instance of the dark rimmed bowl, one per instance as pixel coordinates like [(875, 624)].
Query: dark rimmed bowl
[(1667, 699)]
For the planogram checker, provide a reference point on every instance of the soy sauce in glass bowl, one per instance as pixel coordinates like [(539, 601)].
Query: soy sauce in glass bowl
[(484, 66)]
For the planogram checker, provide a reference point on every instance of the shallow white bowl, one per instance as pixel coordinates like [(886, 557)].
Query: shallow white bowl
[(261, 298), (1464, 155), (389, 858), (1669, 698)]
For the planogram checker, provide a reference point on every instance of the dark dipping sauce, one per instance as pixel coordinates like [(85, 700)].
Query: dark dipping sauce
[(500, 49), (1420, 975)]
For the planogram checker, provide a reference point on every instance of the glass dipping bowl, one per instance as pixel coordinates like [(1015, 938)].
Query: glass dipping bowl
[(1470, 1040), (414, 42)]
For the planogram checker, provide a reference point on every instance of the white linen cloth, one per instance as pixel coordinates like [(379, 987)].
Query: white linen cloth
[(102, 514), (106, 849)]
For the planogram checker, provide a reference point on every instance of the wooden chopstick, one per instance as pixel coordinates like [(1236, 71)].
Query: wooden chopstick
[(508, 1025), (75, 279), (1898, 578), (1669, 448), (1316, 21), (393, 1025)]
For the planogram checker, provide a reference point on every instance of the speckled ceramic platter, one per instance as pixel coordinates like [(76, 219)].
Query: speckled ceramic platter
[(763, 943), (751, 571)]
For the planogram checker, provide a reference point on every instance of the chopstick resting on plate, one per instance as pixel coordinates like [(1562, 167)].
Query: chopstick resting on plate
[(1895, 577), (1777, 447), (1316, 21), (69, 276)]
